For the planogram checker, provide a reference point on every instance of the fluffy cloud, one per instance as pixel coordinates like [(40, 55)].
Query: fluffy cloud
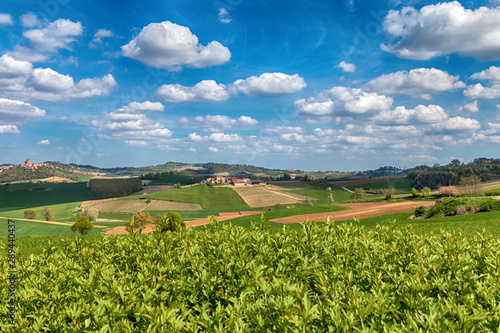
[(492, 75), (136, 143), (43, 142), (444, 28), (342, 101), (54, 35), (144, 106), (223, 16), (346, 67), (417, 82), (215, 123), (213, 149), (203, 91), (456, 125), (100, 34), (13, 73), (269, 85), (6, 19), (419, 115), (9, 129), (218, 137), (48, 80), (471, 107), (171, 46), (130, 125), (283, 129), (30, 20), (15, 112)]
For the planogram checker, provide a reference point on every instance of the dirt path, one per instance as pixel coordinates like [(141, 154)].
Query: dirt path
[(358, 210), (46, 222)]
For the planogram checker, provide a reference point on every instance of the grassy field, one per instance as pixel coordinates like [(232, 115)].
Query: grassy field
[(319, 192), (25, 228), (208, 197), (62, 212), (27, 195)]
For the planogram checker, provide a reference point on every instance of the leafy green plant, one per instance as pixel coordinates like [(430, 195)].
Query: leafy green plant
[(420, 211), (82, 225), (323, 278), (171, 221)]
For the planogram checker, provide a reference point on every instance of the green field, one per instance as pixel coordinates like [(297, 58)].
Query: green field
[(62, 212), (319, 192), (25, 228), (208, 197), (28, 195)]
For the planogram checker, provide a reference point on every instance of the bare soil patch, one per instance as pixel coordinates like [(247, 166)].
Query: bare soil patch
[(358, 210), (260, 196), (173, 205), (357, 182)]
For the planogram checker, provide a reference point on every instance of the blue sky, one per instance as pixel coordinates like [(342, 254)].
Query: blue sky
[(312, 85)]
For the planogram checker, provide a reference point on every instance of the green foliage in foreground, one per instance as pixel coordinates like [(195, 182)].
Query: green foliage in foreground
[(334, 278)]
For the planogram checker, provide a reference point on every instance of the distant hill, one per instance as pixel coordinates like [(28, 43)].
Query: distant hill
[(13, 173)]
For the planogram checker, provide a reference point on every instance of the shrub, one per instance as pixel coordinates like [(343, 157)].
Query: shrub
[(426, 191), (171, 221), (29, 214), (388, 192), (420, 211), (447, 191), (435, 211), (414, 192), (278, 206), (358, 193)]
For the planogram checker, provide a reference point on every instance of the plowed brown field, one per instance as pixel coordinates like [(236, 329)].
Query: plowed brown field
[(358, 210)]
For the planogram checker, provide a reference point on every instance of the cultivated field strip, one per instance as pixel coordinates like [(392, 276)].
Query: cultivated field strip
[(260, 196), (131, 206)]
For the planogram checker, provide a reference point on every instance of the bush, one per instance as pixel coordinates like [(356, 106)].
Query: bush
[(447, 191), (420, 211), (358, 193), (29, 214), (435, 211), (171, 221), (426, 191), (414, 192), (278, 206)]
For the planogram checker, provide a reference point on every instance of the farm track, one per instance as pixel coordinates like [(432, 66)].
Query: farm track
[(358, 210), (46, 222)]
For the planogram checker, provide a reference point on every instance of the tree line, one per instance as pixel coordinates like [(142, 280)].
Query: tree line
[(453, 173), (111, 188)]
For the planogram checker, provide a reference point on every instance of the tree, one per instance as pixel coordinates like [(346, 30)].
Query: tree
[(426, 191), (92, 213), (471, 185), (358, 193), (139, 221), (414, 192), (82, 225), (171, 221), (29, 214), (388, 192), (47, 213)]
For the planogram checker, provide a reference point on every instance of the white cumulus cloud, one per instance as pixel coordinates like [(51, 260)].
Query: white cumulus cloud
[(269, 85), (30, 20), (171, 46), (214, 123), (444, 28), (9, 129), (346, 67), (6, 19), (419, 115), (492, 75), (416, 82), (223, 16), (43, 142), (144, 106), (213, 149), (203, 91), (470, 107), (54, 35), (13, 73), (456, 125), (15, 112)]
